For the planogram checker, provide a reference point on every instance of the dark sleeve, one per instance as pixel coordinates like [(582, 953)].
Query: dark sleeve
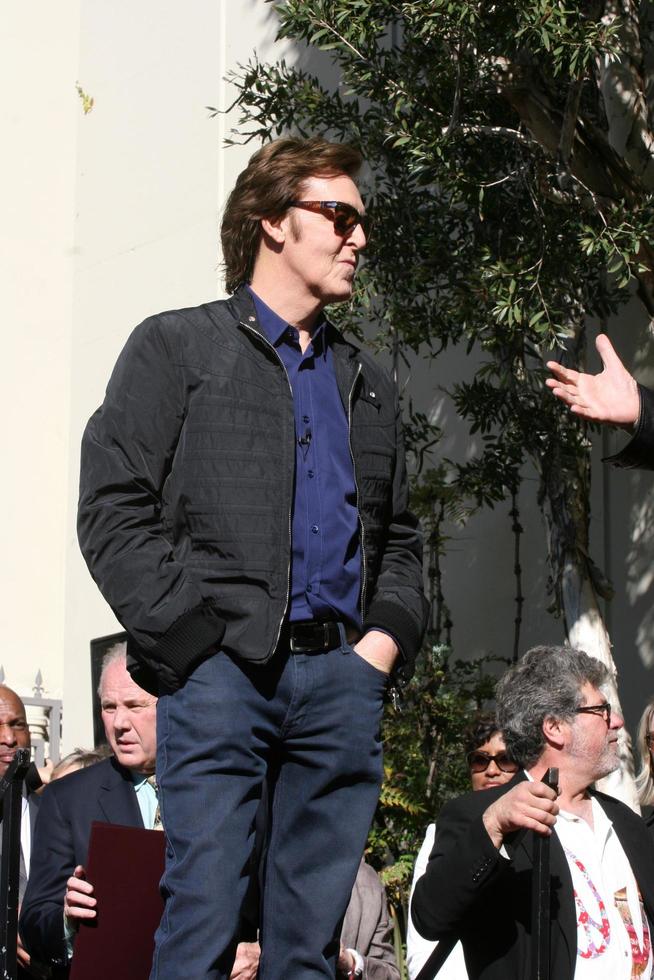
[(127, 453), (462, 864), (53, 860), (398, 605), (379, 961), (639, 452), (368, 927)]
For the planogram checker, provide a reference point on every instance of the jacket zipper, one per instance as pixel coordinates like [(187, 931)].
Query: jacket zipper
[(362, 596), (393, 691), (290, 509)]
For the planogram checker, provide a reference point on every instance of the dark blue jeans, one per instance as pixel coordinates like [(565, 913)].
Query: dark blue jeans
[(318, 716)]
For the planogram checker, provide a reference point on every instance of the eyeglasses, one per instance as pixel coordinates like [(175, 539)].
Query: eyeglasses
[(480, 761), (345, 216), (649, 739), (603, 709)]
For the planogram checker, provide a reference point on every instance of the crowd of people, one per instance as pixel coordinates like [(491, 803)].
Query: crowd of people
[(471, 910), (114, 785), (244, 511)]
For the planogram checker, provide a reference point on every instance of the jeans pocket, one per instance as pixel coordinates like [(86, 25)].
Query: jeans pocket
[(376, 671)]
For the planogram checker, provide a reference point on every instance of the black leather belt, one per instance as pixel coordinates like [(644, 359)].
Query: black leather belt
[(312, 636)]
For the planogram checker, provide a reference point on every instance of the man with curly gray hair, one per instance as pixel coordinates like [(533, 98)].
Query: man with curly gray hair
[(553, 712)]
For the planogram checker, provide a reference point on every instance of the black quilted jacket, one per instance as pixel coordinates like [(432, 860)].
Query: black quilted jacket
[(187, 486)]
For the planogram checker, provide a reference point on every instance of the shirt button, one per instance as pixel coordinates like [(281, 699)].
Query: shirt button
[(314, 528), (311, 474), (305, 419), (309, 588)]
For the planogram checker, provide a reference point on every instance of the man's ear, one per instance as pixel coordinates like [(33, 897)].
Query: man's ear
[(273, 228), (555, 731)]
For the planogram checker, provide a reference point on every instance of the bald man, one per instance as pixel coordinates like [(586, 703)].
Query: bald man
[(15, 734)]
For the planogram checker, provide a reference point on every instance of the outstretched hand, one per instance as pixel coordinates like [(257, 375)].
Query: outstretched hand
[(611, 396), (529, 805)]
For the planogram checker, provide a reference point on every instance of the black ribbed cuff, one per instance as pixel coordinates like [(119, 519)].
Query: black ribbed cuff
[(398, 621), (193, 637)]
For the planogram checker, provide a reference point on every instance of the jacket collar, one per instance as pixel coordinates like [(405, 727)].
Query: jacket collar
[(344, 352), (116, 796), (244, 310)]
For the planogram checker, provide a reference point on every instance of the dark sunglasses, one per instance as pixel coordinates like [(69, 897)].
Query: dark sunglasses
[(345, 216), (603, 709), (480, 761)]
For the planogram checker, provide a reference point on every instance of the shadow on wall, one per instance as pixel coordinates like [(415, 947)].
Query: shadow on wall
[(630, 539), (639, 566)]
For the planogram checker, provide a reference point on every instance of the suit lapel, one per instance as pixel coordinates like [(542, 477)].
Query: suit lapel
[(33, 809), (117, 797)]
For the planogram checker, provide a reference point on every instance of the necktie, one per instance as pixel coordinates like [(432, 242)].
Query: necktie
[(157, 824)]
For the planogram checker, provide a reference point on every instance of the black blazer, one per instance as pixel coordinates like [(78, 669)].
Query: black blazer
[(102, 792), (471, 891)]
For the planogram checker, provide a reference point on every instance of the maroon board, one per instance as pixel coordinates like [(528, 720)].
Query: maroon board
[(124, 865)]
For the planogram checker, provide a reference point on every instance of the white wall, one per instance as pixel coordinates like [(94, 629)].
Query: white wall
[(38, 118)]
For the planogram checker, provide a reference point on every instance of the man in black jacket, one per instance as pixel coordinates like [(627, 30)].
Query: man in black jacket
[(243, 508), (478, 881)]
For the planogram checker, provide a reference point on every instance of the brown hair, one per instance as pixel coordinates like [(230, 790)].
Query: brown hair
[(271, 180)]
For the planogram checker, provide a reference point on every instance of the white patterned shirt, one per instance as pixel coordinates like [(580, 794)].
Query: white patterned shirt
[(613, 940)]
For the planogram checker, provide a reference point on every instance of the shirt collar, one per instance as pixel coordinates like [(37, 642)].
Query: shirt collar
[(275, 327), (139, 779)]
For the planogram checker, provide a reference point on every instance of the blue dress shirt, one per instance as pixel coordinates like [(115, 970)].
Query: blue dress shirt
[(326, 552)]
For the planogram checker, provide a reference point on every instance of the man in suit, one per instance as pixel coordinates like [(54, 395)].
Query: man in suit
[(15, 734), (477, 885), (115, 791)]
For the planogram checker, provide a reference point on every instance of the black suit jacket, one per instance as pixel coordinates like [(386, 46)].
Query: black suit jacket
[(471, 891), (69, 805)]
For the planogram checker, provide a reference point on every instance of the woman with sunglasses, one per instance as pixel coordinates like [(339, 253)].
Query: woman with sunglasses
[(489, 765), (645, 777)]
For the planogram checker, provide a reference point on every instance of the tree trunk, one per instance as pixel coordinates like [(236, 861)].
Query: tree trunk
[(586, 631), (577, 583)]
